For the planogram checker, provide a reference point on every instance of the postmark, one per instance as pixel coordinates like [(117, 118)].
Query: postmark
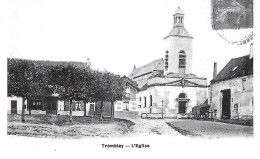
[(233, 20)]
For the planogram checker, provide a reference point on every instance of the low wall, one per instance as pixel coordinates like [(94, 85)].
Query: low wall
[(151, 115), (126, 115), (77, 113), (63, 112), (38, 112)]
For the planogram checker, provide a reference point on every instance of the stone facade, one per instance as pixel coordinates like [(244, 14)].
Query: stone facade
[(174, 45), (165, 99), (241, 102)]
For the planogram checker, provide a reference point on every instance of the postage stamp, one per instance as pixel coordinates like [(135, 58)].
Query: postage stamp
[(232, 14), (233, 20)]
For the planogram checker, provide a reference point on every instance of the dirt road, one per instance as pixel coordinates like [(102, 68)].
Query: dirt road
[(152, 127)]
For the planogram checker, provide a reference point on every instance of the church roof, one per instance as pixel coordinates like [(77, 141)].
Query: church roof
[(148, 68), (179, 31), (236, 67), (157, 65)]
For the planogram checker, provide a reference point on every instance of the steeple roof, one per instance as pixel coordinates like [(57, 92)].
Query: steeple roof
[(179, 31), (179, 11), (178, 25)]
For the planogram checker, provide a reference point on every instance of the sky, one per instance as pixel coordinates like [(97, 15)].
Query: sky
[(115, 35)]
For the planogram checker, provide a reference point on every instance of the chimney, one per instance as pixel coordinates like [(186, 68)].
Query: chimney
[(134, 67), (88, 63), (251, 51), (215, 70)]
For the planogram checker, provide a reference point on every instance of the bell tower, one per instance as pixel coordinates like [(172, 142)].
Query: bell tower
[(178, 48), (178, 18)]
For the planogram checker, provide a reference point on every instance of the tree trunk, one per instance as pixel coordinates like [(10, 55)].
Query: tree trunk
[(22, 115), (112, 109), (85, 110), (101, 111), (29, 107), (70, 111)]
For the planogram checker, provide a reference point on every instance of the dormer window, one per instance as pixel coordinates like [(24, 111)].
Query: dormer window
[(234, 68)]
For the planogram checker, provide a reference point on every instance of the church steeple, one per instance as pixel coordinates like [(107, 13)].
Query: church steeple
[(178, 18), (178, 48)]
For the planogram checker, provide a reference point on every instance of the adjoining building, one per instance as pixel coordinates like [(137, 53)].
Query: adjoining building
[(231, 90), (167, 85)]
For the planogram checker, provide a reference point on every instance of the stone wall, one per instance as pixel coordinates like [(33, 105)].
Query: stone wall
[(241, 103)]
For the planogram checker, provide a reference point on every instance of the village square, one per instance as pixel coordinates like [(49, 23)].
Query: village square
[(58, 99)]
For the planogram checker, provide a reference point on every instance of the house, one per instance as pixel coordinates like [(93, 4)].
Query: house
[(167, 85), (127, 107), (50, 105), (128, 103), (53, 104), (14, 105), (231, 90)]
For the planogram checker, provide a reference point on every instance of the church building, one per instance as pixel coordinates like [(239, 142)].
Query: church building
[(167, 85)]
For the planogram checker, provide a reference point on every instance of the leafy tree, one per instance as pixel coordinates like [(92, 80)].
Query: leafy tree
[(67, 80), (18, 79), (108, 87), (34, 79), (26, 80)]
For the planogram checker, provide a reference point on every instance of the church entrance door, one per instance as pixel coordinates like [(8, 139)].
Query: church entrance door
[(182, 106)]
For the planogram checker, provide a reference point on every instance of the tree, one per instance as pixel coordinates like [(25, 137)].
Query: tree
[(108, 87), (26, 80), (87, 89), (67, 81), (117, 90), (34, 79)]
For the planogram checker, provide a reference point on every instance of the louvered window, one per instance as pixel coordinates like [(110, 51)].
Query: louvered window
[(182, 61), (166, 60)]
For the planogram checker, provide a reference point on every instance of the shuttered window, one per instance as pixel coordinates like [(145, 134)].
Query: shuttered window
[(182, 61)]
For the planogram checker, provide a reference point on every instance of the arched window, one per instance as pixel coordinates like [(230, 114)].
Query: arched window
[(182, 95), (182, 61), (144, 102), (151, 100)]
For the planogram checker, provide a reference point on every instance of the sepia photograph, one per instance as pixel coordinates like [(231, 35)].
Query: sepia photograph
[(130, 77)]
